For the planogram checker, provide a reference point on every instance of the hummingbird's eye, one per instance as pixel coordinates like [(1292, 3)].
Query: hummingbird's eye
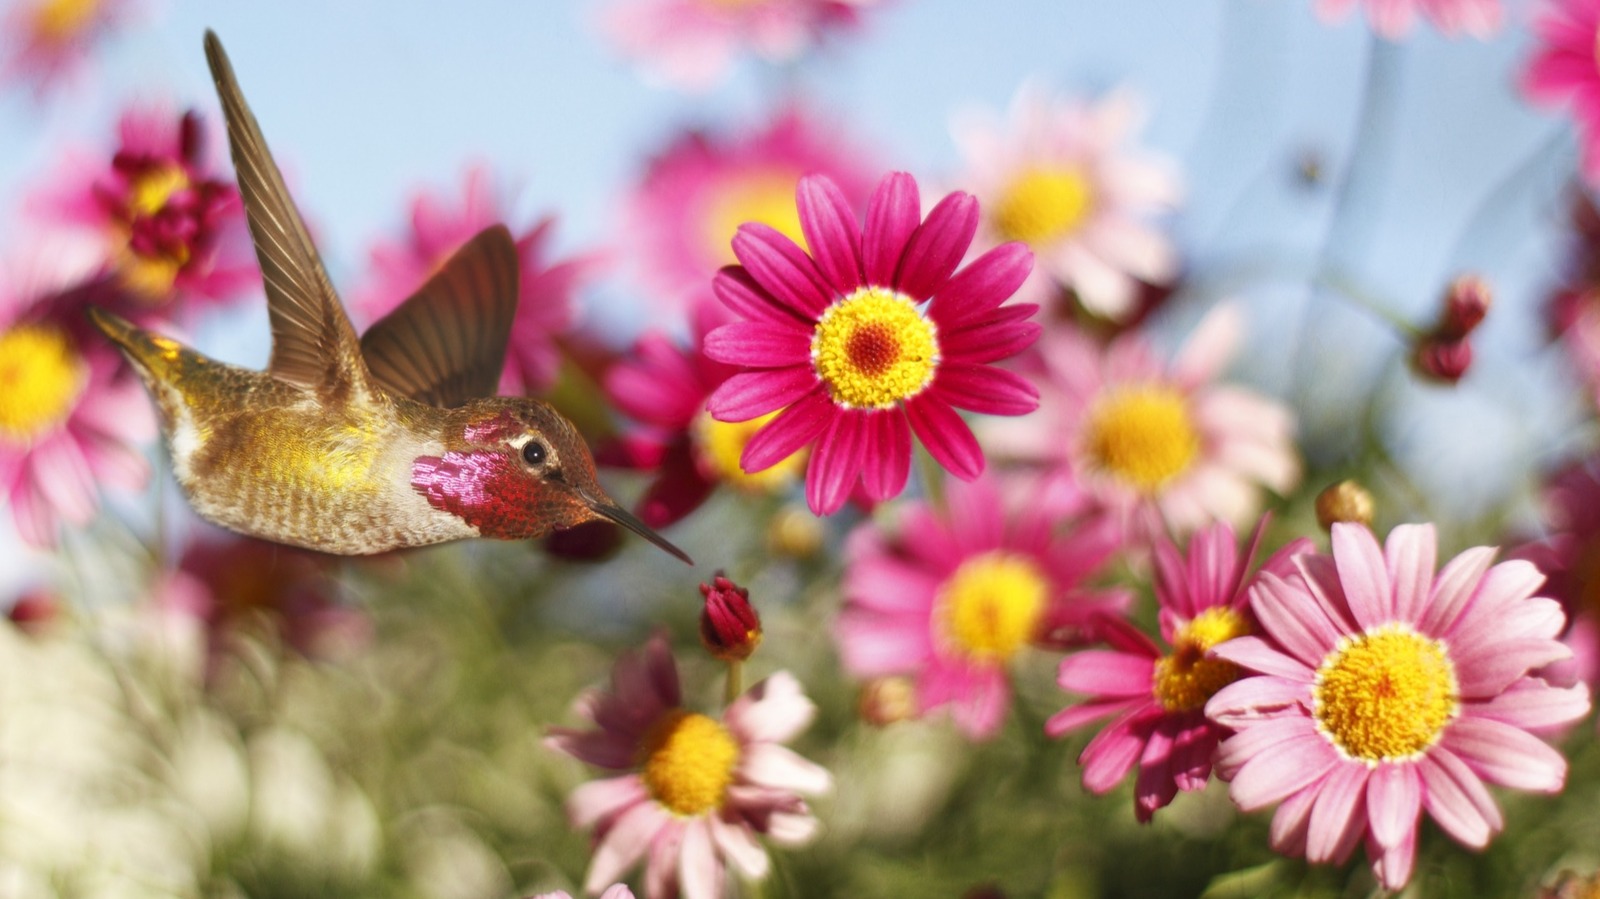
[(534, 452)]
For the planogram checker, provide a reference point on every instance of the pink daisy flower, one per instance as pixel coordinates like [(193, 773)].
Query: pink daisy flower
[(954, 598), (836, 338), (71, 421), (1154, 446), (439, 226), (173, 231), (1564, 70), (698, 791), (1569, 557), (1061, 176), (1392, 19), (1159, 698), (665, 387), (43, 42), (691, 44), (1386, 690), (697, 193)]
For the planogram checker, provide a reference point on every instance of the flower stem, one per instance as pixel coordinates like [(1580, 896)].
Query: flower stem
[(735, 683)]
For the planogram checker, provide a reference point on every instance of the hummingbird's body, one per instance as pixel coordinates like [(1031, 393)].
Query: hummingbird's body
[(360, 446)]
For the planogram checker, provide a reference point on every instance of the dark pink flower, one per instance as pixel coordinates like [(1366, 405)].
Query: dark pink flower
[(955, 596), (1159, 697), (840, 340), (1564, 70), (439, 226)]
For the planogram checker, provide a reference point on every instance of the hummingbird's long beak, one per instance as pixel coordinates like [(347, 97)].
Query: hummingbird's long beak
[(615, 513)]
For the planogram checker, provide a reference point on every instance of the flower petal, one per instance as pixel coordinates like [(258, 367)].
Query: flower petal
[(936, 248), (1394, 802), (982, 285), (945, 435), (1363, 574), (830, 228), (792, 429), (1506, 755), (1340, 816), (888, 462), (752, 394), (759, 345), (892, 216), (836, 462), (738, 290), (1457, 798), (985, 389), (783, 269)]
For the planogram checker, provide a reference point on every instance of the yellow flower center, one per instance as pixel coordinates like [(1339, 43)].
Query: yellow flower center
[(60, 20), (1385, 695), (1142, 435), (1185, 679), (41, 377), (1044, 205), (151, 274), (721, 443), (991, 606), (873, 349), (765, 196), (150, 192), (688, 762)]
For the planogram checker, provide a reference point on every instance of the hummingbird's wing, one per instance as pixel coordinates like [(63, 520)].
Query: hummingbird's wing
[(446, 343), (313, 344)]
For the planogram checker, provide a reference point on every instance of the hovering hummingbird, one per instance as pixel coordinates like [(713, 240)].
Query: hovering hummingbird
[(360, 446)]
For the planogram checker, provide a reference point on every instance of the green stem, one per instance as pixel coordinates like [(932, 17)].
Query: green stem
[(735, 683)]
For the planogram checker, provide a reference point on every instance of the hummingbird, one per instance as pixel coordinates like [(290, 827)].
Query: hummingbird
[(356, 446)]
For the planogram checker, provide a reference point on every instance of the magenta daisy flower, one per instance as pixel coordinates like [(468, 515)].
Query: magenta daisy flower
[(841, 342), (439, 226), (1387, 690), (173, 230), (1569, 557), (43, 42), (697, 193), (954, 598), (1564, 70), (1061, 176), (665, 387), (1159, 698), (1393, 18), (71, 422), (692, 43), (698, 791), (1153, 446)]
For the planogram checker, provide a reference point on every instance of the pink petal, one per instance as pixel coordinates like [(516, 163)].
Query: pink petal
[(1100, 672), (1257, 737), (830, 228), (984, 389), (892, 216), (1394, 802), (1489, 668), (1363, 575), (738, 290), (700, 872), (1456, 798), (870, 645), (772, 711), (1340, 816), (981, 711), (1506, 755), (1454, 588), (1281, 770), (738, 844), (1075, 716), (1112, 753), (779, 767), (1256, 697), (1258, 655), (1535, 706), (599, 799), (759, 345), (1393, 866), (1291, 824), (836, 461), (999, 336), (981, 286), (752, 394), (624, 844), (888, 462), (1295, 623), (1410, 551), (945, 435), (792, 429), (782, 268), (936, 247)]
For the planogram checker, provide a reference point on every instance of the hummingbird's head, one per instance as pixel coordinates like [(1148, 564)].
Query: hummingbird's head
[(515, 468)]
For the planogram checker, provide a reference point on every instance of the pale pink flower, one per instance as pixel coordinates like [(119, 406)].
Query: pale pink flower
[(619, 891), (691, 44), (440, 224), (697, 791), (1063, 176), (1564, 70), (72, 419), (45, 42), (697, 192), (173, 229), (1155, 446), (1386, 690), (1159, 697), (1393, 18), (955, 596)]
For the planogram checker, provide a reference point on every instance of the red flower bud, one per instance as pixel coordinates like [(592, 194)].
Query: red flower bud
[(1442, 360), (1466, 303), (729, 625)]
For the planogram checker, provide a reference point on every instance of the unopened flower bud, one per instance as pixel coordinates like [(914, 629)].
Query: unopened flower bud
[(729, 626), (1345, 501), (1442, 360), (886, 700), (35, 610), (1466, 302)]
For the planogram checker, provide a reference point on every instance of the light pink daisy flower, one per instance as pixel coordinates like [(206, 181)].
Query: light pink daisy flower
[(691, 44), (1393, 19), (665, 387), (71, 420), (1159, 698), (43, 42), (841, 342), (1564, 70), (954, 598), (698, 790), (697, 193), (619, 891), (1154, 446), (439, 226), (1386, 690), (1060, 175), (174, 231)]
